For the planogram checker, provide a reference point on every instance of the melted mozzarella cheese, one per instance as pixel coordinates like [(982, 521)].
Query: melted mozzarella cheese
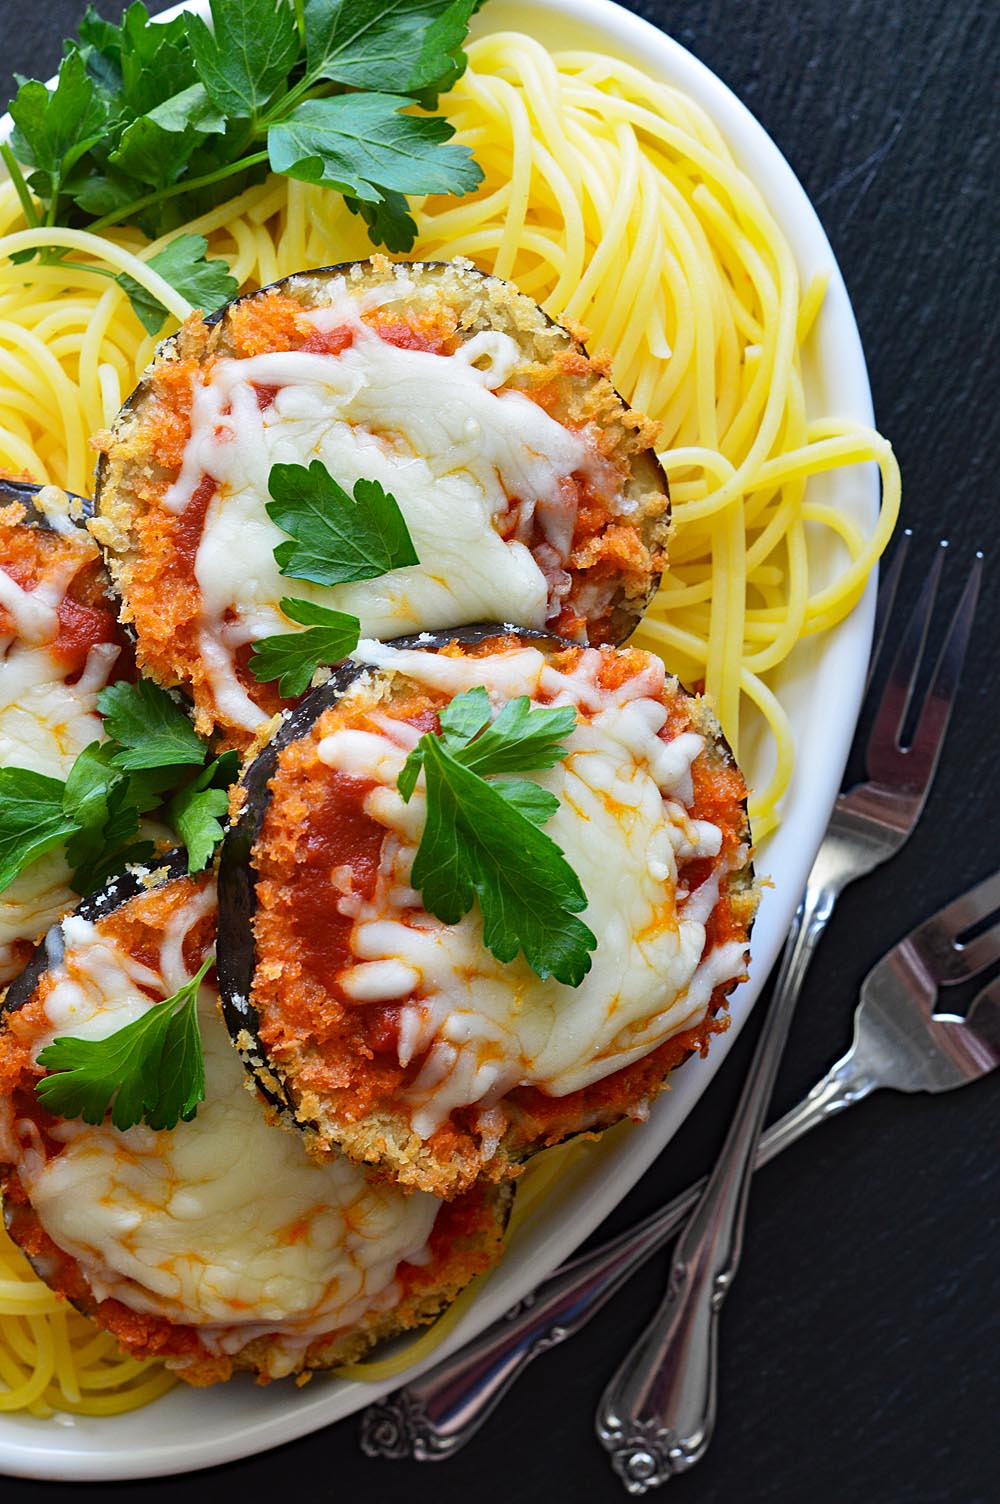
[(44, 724), (432, 429), (223, 1223), (483, 1027)]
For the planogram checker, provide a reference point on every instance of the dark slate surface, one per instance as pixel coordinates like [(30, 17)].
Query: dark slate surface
[(860, 1345)]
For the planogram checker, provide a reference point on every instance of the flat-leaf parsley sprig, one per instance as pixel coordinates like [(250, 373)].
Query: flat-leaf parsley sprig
[(153, 761), (334, 538), (482, 837), (154, 122), (151, 1071)]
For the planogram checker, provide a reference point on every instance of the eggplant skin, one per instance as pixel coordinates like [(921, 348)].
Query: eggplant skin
[(409, 1162), (117, 892), (25, 493)]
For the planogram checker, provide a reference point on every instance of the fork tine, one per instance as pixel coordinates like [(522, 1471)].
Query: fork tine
[(983, 1021), (928, 738), (938, 940), (888, 586), (910, 770), (895, 701)]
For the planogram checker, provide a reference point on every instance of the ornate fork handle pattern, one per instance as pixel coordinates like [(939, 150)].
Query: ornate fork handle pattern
[(435, 1415), (657, 1414)]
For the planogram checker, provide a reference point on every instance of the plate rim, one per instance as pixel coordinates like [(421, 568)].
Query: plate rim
[(844, 656)]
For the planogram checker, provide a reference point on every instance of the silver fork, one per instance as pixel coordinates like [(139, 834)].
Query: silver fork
[(435, 1415), (900, 1044), (665, 1387)]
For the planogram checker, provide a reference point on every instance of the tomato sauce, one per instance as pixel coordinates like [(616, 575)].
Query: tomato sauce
[(329, 341), (265, 395), (339, 834), (190, 525), (81, 628)]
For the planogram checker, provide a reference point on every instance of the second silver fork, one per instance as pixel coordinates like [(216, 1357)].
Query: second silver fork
[(657, 1414), (901, 1043)]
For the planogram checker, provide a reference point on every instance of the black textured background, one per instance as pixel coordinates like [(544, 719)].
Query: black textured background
[(861, 1344)]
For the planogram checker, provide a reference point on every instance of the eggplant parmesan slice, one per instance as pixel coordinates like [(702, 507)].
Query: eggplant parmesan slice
[(60, 643), (530, 490), (399, 1040), (217, 1245)]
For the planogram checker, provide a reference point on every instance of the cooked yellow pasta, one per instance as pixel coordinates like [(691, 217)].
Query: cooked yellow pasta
[(614, 202)]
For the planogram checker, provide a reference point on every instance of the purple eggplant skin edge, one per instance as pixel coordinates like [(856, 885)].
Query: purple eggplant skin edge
[(24, 492), (117, 891)]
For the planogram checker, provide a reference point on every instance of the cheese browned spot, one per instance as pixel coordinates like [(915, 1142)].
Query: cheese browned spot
[(59, 644), (219, 1243), (401, 1038), (529, 490)]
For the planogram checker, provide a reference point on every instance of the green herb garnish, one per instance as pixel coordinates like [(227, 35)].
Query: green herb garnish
[(196, 811), (152, 123), (482, 839), (152, 730), (32, 820), (151, 1071), (182, 263), (149, 759), (293, 657), (334, 539)]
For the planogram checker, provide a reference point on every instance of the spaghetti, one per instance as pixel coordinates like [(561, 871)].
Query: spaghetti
[(614, 202)]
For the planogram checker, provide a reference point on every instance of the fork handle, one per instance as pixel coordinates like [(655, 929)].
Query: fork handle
[(657, 1414)]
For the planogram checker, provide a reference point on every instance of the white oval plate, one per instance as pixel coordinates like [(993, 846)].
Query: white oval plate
[(821, 687)]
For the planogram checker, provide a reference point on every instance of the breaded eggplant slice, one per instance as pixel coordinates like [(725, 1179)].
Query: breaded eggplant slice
[(60, 643), (217, 1245), (530, 490), (399, 1040)]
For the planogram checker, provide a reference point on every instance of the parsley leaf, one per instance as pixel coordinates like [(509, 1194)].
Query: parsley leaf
[(359, 144), (151, 1070), (52, 131), (155, 123), (141, 61), (334, 538), (195, 812), (156, 147), (97, 811), (32, 820), (152, 729), (441, 60), (478, 843), (387, 44), (247, 54), (96, 798), (293, 657), (389, 221), (466, 715), (521, 739), (529, 799), (182, 263)]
